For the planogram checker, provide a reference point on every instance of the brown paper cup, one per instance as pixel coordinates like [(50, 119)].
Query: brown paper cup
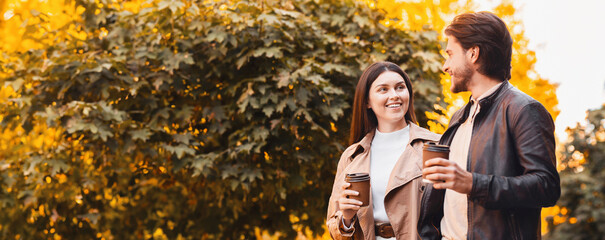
[(360, 182), (431, 151)]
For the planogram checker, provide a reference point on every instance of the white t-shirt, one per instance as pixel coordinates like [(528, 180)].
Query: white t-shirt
[(454, 224), (386, 149)]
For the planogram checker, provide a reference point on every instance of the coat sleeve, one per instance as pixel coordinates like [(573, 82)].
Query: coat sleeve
[(532, 131), (334, 216)]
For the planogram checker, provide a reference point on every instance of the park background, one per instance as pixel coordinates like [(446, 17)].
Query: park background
[(219, 119)]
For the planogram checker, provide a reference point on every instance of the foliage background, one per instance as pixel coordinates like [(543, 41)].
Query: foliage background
[(580, 213), (216, 118), (190, 119)]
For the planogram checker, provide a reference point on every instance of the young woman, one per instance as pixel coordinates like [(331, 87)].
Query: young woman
[(387, 144)]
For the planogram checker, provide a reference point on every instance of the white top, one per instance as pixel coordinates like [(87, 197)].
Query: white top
[(454, 224), (386, 149)]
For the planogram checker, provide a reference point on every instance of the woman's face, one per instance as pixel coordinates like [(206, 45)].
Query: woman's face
[(389, 99)]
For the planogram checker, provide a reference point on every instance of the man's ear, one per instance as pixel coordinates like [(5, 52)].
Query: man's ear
[(473, 54)]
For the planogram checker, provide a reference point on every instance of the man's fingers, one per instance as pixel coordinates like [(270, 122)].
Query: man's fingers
[(442, 185), (436, 177), (438, 169), (437, 161), (346, 185)]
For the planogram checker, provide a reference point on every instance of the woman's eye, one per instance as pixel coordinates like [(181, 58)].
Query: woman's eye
[(401, 87)]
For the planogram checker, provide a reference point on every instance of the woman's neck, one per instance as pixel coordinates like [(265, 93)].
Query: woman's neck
[(387, 128)]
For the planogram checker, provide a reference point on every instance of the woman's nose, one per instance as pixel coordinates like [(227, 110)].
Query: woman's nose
[(393, 94)]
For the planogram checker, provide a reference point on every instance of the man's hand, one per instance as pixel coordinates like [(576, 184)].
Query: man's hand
[(447, 174)]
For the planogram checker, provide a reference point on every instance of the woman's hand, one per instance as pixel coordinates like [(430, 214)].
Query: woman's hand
[(348, 206)]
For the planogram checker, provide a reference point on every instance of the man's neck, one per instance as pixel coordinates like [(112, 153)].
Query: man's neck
[(481, 84)]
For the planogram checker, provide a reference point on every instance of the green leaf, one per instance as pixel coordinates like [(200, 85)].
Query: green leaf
[(268, 110), (33, 161), (251, 175), (291, 14), (175, 5), (217, 34), (164, 4), (283, 79), (271, 52), (179, 150), (16, 85), (269, 19), (140, 134), (182, 138), (57, 166)]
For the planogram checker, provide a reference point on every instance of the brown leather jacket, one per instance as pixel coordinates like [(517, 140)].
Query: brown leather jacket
[(512, 158), (404, 190)]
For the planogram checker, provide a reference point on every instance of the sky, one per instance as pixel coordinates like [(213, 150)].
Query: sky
[(568, 38)]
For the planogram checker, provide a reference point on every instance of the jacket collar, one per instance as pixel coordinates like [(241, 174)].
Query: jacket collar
[(416, 133), (489, 100), (485, 102)]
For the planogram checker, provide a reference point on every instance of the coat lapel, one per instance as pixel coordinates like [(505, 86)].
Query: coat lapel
[(409, 164), (407, 168)]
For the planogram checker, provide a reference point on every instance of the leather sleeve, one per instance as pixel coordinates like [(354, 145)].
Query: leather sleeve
[(532, 131), (429, 222)]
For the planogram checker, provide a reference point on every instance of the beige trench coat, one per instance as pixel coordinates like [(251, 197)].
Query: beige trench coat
[(403, 194)]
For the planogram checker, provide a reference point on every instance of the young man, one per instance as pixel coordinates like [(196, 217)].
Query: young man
[(501, 169)]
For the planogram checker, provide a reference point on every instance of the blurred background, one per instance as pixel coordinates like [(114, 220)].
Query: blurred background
[(219, 119)]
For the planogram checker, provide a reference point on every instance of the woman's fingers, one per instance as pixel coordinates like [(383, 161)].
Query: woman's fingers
[(346, 203), (346, 208), (349, 201), (349, 204), (348, 192)]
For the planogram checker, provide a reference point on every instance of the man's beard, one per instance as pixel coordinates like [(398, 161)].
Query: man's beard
[(464, 77)]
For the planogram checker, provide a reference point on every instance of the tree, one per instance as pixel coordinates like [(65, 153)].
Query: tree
[(209, 119), (581, 209), (523, 74)]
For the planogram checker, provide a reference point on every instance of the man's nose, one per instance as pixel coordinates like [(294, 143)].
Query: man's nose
[(446, 67)]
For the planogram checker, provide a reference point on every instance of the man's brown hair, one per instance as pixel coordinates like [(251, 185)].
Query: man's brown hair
[(488, 32)]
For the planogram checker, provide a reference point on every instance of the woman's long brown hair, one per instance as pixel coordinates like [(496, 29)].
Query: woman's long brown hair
[(364, 120)]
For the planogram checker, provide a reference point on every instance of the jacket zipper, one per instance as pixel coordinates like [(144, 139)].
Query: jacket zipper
[(423, 202), (513, 226)]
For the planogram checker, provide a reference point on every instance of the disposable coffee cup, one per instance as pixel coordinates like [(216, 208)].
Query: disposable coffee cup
[(432, 150), (360, 182)]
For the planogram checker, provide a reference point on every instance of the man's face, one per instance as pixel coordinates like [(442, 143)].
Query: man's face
[(458, 65)]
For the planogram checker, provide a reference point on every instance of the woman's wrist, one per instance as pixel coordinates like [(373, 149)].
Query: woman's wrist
[(347, 225)]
